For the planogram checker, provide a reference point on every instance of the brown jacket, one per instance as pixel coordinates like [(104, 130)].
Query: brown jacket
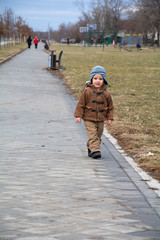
[(94, 104)]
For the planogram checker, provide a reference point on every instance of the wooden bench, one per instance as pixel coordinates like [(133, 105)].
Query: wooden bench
[(59, 60)]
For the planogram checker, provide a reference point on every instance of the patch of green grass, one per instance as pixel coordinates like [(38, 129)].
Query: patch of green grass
[(134, 79)]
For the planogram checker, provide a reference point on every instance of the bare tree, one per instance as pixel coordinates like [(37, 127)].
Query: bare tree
[(148, 14), (115, 9), (8, 22), (1, 25), (63, 31), (19, 25), (98, 14), (26, 31), (11, 25), (86, 15), (107, 14)]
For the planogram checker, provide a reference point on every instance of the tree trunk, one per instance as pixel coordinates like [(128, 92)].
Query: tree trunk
[(158, 38)]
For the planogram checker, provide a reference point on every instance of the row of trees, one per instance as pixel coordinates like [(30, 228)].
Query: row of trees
[(12, 27), (129, 16), (145, 19)]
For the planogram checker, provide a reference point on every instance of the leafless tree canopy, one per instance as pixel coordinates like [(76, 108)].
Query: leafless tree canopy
[(11, 25), (129, 16), (148, 16)]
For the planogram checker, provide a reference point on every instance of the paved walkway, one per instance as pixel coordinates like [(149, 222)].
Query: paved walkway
[(50, 189)]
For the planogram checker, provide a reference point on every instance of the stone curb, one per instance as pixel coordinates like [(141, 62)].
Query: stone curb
[(152, 183)]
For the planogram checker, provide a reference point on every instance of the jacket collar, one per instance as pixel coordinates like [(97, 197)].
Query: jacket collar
[(103, 88)]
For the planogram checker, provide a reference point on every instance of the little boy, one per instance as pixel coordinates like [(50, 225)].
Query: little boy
[(94, 107)]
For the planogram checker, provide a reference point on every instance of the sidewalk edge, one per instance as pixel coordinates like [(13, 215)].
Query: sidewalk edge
[(153, 183)]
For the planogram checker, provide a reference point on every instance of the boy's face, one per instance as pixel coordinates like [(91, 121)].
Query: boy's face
[(97, 80)]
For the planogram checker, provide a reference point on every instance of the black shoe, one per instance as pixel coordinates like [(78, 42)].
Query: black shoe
[(96, 154), (89, 153)]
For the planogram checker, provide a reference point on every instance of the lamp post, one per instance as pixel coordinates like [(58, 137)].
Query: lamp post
[(48, 35)]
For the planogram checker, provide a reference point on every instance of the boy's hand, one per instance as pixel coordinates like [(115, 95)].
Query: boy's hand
[(109, 122), (78, 120)]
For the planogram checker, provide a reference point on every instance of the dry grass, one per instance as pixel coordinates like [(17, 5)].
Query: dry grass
[(6, 51), (134, 79)]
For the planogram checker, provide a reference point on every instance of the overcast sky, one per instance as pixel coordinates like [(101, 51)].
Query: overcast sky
[(38, 14)]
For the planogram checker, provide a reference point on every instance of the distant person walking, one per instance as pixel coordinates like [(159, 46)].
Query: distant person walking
[(29, 41), (138, 47), (36, 42), (113, 44), (68, 39)]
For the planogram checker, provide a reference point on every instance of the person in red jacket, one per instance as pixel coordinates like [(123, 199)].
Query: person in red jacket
[(36, 42)]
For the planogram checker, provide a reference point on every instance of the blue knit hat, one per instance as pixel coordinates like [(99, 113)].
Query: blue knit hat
[(98, 70)]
